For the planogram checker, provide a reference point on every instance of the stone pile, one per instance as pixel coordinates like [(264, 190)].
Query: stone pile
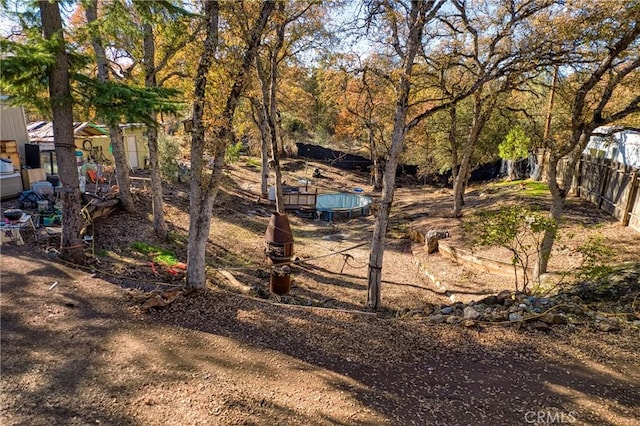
[(538, 313)]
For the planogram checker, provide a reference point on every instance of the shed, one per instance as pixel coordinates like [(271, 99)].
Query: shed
[(94, 141), (13, 127), (620, 144)]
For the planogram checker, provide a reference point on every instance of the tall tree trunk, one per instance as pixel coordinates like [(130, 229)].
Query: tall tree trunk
[(559, 194), (159, 224), (477, 124), (204, 187), (453, 143), (117, 141), (150, 80), (269, 86), (558, 197), (376, 172), (547, 124), (259, 119), (374, 278), (200, 199), (122, 166), (271, 133), (72, 247)]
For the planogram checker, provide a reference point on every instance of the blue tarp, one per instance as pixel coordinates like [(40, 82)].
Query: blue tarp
[(341, 201)]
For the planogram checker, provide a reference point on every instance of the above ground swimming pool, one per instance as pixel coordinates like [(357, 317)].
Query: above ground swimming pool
[(342, 205)]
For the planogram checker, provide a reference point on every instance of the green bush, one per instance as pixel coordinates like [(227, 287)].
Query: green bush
[(169, 152), (519, 230), (232, 153), (515, 145)]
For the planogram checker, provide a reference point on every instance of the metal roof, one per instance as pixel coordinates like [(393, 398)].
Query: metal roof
[(42, 131)]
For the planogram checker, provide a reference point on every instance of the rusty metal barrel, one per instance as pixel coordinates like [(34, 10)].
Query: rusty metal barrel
[(279, 248), (280, 279)]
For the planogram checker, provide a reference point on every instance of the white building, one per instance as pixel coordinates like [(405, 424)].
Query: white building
[(13, 126), (621, 145)]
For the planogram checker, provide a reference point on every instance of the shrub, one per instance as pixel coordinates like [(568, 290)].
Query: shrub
[(519, 230), (168, 154)]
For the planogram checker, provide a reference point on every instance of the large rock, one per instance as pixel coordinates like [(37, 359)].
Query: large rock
[(489, 300), (553, 318), (539, 325), (437, 318), (503, 295), (432, 245), (453, 319), (515, 317), (432, 238), (470, 313), (446, 310)]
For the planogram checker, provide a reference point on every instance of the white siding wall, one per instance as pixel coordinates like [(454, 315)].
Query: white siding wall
[(623, 147), (13, 126)]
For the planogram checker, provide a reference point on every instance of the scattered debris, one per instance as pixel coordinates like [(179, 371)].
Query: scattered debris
[(159, 300)]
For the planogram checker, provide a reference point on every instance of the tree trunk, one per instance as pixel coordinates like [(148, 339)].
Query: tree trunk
[(199, 197), (460, 182), (117, 142), (260, 120), (264, 158), (122, 167), (272, 109), (559, 196), (376, 172), (271, 133), (204, 186), (268, 88), (547, 124), (72, 247), (374, 279), (453, 143), (159, 224)]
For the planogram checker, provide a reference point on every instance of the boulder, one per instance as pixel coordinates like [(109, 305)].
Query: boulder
[(539, 325), (553, 318), (437, 318), (489, 300), (432, 238), (470, 313), (432, 245), (515, 317), (503, 295), (453, 319)]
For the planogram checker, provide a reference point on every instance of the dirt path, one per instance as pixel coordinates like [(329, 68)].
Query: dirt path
[(81, 352)]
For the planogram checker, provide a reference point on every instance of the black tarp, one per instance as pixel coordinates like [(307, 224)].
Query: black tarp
[(347, 161)]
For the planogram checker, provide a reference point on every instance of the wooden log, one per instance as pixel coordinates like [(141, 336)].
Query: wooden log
[(237, 285)]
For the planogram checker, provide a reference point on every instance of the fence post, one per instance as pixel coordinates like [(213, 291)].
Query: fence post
[(629, 203), (579, 174), (606, 173)]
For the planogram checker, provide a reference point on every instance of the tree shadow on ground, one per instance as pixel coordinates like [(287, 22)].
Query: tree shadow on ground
[(432, 367), (404, 372)]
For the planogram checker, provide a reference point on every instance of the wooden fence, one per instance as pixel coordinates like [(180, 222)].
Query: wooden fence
[(611, 186)]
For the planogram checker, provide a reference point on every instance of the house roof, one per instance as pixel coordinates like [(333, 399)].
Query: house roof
[(42, 131)]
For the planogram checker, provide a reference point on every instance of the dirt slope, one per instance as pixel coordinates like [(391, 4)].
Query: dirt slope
[(81, 352)]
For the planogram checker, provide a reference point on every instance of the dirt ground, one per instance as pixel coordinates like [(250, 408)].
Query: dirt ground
[(77, 348)]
